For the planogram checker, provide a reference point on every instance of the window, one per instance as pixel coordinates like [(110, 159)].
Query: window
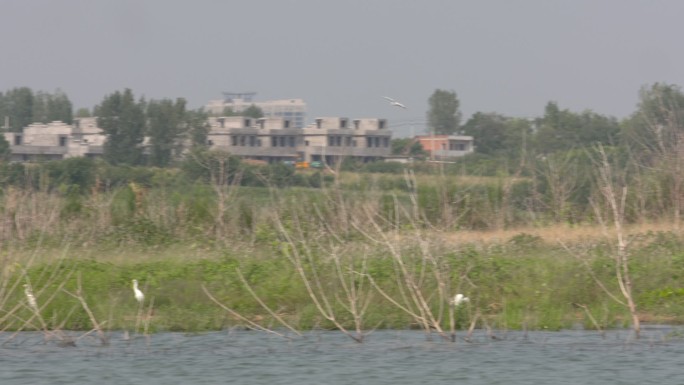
[(385, 142), (348, 141), (381, 124), (369, 142), (222, 122), (343, 123), (291, 140), (233, 140), (17, 140), (377, 141), (210, 142), (252, 140), (286, 124), (319, 123), (331, 141), (274, 141), (356, 124), (243, 140), (62, 141), (282, 141), (248, 122)]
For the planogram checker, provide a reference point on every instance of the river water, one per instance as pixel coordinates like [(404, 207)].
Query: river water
[(386, 357)]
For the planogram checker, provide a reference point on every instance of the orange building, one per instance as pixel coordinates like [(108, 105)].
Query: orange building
[(446, 146)]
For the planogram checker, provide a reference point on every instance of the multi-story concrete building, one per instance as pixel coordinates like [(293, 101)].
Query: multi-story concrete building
[(267, 139), (293, 110), (56, 140), (327, 140)]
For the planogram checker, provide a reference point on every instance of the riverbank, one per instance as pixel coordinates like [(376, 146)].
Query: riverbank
[(516, 280)]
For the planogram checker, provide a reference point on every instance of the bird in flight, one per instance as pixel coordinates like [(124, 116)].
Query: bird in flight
[(394, 102)]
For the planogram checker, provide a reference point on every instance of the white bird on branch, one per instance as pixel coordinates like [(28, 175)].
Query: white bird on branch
[(459, 299), (394, 102), (139, 296)]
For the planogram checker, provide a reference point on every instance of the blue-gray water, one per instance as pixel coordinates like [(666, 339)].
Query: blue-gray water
[(387, 357)]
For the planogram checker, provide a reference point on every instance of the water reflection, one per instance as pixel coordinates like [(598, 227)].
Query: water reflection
[(388, 357)]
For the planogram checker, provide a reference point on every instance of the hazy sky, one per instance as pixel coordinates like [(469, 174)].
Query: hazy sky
[(341, 57)]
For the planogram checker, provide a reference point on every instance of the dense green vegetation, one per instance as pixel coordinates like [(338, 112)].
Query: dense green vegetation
[(217, 242)]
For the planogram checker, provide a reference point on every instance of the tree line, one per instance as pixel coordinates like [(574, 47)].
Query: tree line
[(653, 128), (655, 121), (126, 121)]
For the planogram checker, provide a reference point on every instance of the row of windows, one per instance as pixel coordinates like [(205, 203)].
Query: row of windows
[(457, 146), (253, 141), (376, 141), (63, 140), (291, 141), (337, 141)]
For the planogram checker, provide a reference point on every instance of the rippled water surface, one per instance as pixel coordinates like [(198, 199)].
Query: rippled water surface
[(387, 357)]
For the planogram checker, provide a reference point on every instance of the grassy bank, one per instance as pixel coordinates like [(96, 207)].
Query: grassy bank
[(522, 281)]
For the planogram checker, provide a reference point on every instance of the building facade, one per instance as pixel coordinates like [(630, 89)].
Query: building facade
[(270, 140), (292, 110), (276, 139), (56, 140), (442, 147)]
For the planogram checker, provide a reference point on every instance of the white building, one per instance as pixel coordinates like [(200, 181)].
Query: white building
[(293, 110), (56, 140)]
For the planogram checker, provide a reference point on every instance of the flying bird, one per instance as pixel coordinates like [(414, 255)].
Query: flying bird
[(394, 102), (139, 296)]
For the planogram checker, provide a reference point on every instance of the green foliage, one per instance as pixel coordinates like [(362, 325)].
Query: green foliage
[(253, 111), (443, 115), (167, 120), (408, 147), (5, 151), (561, 130), (122, 119), (17, 104)]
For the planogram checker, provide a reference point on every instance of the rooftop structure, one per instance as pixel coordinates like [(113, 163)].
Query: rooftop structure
[(293, 110)]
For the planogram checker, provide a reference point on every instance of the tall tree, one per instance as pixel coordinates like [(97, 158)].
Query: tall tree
[(488, 131), (197, 127), (166, 123), (50, 107), (59, 107), (443, 115), (561, 130), (497, 134), (656, 134), (18, 106), (123, 121), (5, 150)]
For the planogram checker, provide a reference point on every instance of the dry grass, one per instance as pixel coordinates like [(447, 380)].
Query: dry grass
[(554, 233)]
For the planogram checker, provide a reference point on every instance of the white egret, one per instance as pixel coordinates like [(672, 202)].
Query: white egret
[(139, 296), (459, 299), (30, 297), (394, 102)]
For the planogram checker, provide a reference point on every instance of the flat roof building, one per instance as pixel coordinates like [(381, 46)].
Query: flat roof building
[(293, 110)]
